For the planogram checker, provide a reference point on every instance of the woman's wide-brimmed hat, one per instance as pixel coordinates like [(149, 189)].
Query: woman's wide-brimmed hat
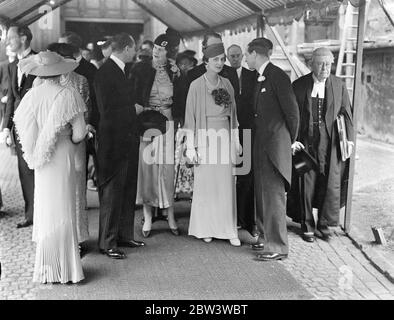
[(47, 64)]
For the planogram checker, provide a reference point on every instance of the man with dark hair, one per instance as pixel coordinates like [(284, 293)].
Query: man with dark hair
[(88, 70), (19, 39), (276, 122), (185, 62), (147, 44), (71, 38), (118, 150), (106, 48), (247, 83)]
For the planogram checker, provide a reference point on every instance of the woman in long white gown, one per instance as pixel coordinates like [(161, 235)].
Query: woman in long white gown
[(49, 122), (211, 113)]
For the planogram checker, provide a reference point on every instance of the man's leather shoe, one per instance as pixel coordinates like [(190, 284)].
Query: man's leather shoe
[(270, 256), (258, 246), (24, 224), (114, 253), (131, 244), (308, 237), (325, 231)]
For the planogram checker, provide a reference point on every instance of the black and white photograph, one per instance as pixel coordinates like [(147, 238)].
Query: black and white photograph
[(197, 156)]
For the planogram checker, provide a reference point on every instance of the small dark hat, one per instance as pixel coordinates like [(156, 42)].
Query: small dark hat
[(190, 53), (303, 162), (163, 41)]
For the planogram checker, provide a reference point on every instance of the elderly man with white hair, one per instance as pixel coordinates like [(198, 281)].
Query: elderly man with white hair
[(321, 98)]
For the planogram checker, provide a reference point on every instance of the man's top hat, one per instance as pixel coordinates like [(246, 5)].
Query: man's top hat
[(303, 162)]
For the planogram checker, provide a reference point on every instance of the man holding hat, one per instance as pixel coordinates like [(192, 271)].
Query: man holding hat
[(276, 121), (321, 97)]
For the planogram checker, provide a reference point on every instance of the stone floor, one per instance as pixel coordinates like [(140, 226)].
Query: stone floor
[(326, 270)]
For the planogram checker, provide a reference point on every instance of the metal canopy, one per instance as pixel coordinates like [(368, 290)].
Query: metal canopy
[(191, 17), (194, 17)]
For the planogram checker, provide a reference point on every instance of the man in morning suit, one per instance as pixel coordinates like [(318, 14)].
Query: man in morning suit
[(276, 121), (247, 80), (321, 97), (19, 39), (118, 148)]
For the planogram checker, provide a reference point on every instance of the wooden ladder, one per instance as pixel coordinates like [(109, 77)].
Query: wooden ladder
[(346, 59)]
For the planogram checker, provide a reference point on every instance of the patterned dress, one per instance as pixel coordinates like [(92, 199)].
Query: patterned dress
[(184, 176)]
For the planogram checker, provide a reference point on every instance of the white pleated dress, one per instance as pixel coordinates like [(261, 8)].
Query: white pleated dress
[(47, 120)]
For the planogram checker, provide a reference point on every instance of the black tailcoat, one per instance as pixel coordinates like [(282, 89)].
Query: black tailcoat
[(15, 95), (245, 189), (275, 129), (276, 120), (117, 129)]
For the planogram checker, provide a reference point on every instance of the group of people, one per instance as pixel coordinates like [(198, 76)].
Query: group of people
[(240, 127)]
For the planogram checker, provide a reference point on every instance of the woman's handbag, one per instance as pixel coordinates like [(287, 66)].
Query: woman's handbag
[(151, 119)]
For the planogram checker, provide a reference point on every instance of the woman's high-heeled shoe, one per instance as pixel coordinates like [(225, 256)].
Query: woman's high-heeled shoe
[(145, 234), (175, 232), (207, 240), (235, 242)]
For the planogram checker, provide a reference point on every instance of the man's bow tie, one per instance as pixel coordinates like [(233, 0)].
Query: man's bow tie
[(261, 78)]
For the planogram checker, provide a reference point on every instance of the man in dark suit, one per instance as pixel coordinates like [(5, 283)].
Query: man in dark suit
[(88, 70), (321, 97), (247, 80), (118, 149), (275, 130), (19, 39)]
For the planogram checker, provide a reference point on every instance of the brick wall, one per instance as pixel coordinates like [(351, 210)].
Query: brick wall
[(376, 116)]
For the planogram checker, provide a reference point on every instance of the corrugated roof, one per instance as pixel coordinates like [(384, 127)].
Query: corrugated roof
[(28, 11), (191, 17)]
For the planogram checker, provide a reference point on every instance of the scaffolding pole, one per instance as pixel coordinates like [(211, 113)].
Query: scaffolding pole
[(356, 102)]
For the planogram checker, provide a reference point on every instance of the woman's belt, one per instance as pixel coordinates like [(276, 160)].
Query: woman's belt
[(158, 108), (218, 118)]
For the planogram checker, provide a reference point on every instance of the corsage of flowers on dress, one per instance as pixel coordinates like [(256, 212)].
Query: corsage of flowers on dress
[(222, 97), (174, 68)]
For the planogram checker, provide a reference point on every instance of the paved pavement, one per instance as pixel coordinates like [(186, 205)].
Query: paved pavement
[(185, 268)]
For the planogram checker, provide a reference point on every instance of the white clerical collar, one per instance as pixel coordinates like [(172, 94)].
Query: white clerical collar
[(319, 87), (24, 54), (119, 62), (262, 68)]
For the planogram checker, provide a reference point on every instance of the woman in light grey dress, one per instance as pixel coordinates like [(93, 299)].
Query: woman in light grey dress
[(50, 123), (211, 113)]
